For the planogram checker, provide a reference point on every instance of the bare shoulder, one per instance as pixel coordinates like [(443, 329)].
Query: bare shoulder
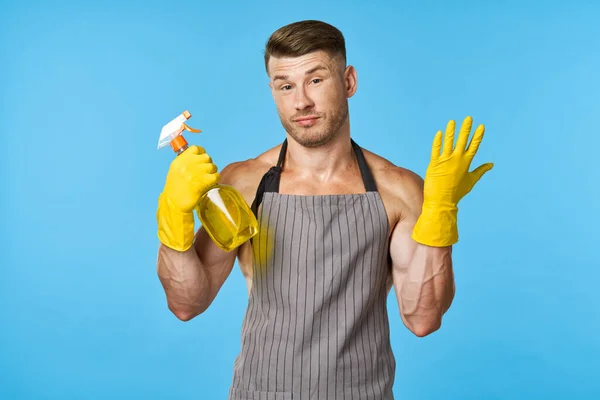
[(400, 188), (246, 175)]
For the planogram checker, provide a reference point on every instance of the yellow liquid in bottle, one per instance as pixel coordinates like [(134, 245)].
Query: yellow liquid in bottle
[(226, 217)]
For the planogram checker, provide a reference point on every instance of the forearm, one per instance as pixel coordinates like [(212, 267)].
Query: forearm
[(428, 289), (185, 281)]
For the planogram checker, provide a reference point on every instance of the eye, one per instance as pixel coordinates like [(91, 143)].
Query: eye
[(316, 80), (286, 87)]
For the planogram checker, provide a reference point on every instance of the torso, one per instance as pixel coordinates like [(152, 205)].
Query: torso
[(390, 180), (318, 275)]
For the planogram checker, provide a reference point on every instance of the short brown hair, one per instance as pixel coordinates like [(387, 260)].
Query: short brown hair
[(303, 37)]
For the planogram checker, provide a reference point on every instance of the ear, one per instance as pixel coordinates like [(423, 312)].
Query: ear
[(350, 80)]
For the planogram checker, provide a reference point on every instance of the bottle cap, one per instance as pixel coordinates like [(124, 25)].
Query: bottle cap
[(178, 143)]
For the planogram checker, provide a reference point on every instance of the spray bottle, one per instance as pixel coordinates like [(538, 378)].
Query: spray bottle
[(222, 210)]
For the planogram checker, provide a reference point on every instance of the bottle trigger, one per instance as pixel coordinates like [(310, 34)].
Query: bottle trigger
[(188, 128)]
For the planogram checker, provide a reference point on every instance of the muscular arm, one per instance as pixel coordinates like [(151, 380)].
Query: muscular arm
[(192, 279), (422, 275)]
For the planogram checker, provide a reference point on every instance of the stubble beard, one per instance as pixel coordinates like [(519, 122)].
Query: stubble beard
[(328, 126)]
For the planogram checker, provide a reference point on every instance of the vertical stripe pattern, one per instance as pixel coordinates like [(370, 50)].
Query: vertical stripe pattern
[(316, 326)]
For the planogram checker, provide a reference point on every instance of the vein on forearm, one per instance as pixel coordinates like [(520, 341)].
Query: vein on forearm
[(184, 279), (428, 288)]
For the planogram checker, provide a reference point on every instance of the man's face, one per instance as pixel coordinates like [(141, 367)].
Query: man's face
[(311, 95)]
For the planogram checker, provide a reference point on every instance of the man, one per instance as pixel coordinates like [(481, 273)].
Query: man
[(339, 226)]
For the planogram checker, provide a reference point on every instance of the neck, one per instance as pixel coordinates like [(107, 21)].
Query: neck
[(321, 163)]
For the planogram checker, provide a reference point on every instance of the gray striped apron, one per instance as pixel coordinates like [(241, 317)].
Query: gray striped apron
[(316, 326)]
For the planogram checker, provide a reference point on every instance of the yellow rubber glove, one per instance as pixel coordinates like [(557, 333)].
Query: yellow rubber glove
[(190, 174), (448, 180)]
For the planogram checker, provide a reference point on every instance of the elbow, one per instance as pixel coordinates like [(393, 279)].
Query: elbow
[(184, 314), (423, 329)]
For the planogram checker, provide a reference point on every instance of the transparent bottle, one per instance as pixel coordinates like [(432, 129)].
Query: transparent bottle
[(222, 210), (226, 216)]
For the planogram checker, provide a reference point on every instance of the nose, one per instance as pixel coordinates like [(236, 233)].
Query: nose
[(302, 100)]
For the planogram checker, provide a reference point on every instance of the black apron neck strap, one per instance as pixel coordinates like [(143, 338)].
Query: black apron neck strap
[(282, 154), (270, 180), (365, 172)]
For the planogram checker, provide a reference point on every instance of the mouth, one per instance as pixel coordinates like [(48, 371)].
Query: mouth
[(304, 121)]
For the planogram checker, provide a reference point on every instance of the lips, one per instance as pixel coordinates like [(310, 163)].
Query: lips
[(306, 120)]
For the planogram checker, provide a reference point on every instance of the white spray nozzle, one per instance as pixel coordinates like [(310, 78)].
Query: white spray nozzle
[(174, 128)]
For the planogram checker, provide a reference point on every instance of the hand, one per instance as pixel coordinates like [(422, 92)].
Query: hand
[(447, 181), (190, 174)]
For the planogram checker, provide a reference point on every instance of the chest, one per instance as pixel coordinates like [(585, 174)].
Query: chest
[(317, 229), (292, 184)]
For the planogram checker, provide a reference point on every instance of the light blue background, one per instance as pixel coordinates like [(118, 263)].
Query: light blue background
[(85, 90)]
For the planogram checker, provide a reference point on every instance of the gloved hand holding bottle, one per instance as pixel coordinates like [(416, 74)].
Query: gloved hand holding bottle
[(447, 181), (193, 184), (190, 175)]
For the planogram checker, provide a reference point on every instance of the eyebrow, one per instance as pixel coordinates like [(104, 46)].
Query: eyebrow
[(308, 72)]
